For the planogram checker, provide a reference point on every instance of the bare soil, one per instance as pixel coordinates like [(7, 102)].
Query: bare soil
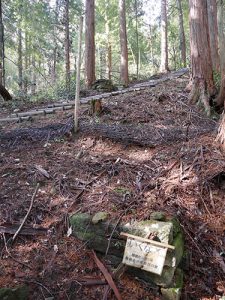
[(148, 151)]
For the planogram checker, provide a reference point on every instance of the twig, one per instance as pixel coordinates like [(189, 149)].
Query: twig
[(37, 283), (28, 212), (10, 255)]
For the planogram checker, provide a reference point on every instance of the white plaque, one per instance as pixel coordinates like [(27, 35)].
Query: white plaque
[(144, 255)]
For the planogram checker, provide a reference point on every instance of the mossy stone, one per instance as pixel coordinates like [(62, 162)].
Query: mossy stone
[(158, 216), (19, 293), (171, 294), (99, 216)]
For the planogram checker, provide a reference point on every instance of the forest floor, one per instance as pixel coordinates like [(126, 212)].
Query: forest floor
[(148, 151)]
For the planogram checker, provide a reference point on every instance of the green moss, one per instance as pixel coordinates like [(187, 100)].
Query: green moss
[(171, 294), (99, 216), (121, 190), (19, 293)]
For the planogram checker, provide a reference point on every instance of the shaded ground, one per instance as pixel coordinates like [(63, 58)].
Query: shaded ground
[(148, 151)]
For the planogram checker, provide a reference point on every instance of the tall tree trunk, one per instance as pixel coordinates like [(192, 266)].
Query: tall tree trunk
[(123, 44), (213, 33), (20, 61), (2, 49), (67, 45), (220, 100), (26, 63), (182, 34), (90, 43), (137, 39), (53, 71), (164, 39), (202, 84), (109, 44), (33, 86)]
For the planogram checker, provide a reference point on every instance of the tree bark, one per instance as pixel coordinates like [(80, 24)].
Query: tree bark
[(90, 43), (202, 84), (53, 71), (109, 44), (164, 39), (182, 34), (123, 44), (213, 33), (20, 61), (2, 49), (26, 63), (221, 96), (33, 86), (67, 45), (137, 39)]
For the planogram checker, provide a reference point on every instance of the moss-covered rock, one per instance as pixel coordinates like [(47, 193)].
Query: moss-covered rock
[(99, 216), (19, 293), (97, 235), (158, 216), (171, 294)]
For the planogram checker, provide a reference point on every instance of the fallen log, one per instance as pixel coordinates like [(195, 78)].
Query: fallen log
[(9, 228)]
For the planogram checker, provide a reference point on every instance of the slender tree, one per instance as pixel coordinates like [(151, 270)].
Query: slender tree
[(213, 33), (90, 43), (137, 38), (109, 43), (182, 34), (123, 44), (2, 49), (67, 45), (20, 61), (164, 39), (202, 84), (56, 16)]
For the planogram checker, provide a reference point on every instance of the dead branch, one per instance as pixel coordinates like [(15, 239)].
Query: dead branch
[(28, 212)]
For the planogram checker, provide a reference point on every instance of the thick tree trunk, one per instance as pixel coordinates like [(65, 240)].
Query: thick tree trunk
[(20, 61), (90, 43), (213, 33), (2, 49), (202, 84), (221, 97), (123, 44), (164, 39), (182, 34), (67, 45)]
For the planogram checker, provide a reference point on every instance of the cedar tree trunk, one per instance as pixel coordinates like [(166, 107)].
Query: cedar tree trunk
[(182, 34), (164, 39), (213, 33), (123, 44), (90, 43), (67, 45), (202, 84)]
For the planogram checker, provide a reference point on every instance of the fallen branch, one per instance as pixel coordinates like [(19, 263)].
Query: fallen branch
[(29, 210), (9, 228), (107, 276)]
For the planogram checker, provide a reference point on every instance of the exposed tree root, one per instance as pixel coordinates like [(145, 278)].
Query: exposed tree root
[(221, 97), (221, 133), (200, 94)]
